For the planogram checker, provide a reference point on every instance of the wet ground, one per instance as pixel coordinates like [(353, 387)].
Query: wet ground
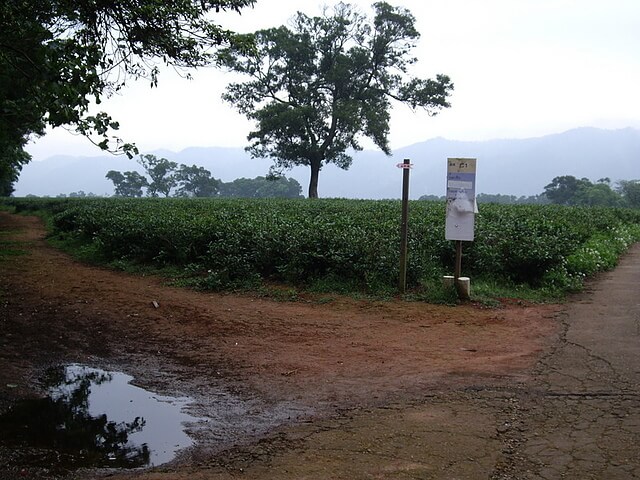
[(333, 387), (92, 418)]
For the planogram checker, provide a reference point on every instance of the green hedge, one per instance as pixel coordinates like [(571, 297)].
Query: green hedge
[(230, 241)]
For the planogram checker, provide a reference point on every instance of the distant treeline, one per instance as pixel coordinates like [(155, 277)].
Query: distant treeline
[(498, 199), (569, 190), (259, 187), (165, 178)]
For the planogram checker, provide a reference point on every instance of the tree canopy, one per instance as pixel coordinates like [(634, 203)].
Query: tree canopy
[(127, 184), (196, 181), (262, 187), (59, 56), (564, 190), (630, 190), (314, 89), (162, 173)]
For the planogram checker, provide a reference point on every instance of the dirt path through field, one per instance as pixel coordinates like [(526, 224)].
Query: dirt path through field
[(332, 387)]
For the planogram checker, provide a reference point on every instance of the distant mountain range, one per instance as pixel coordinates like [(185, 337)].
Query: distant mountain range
[(509, 166)]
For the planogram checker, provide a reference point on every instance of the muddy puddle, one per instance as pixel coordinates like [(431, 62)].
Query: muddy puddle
[(92, 418)]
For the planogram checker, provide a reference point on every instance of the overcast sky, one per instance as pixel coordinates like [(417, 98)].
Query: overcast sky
[(521, 68)]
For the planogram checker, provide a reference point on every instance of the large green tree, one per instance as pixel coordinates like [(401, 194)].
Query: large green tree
[(162, 172), (262, 187), (599, 194), (127, 184), (59, 56), (630, 190), (12, 158), (569, 190), (566, 189), (318, 86), (196, 181)]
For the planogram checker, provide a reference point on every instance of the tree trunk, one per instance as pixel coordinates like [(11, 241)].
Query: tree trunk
[(313, 181)]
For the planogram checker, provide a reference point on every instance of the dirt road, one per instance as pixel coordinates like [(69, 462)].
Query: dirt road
[(332, 387)]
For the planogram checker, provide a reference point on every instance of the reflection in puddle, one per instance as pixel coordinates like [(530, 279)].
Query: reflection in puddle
[(95, 418)]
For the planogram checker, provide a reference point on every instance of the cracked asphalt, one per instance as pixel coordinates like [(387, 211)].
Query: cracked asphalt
[(583, 412), (580, 416)]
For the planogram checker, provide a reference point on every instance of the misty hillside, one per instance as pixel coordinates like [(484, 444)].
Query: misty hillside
[(510, 167)]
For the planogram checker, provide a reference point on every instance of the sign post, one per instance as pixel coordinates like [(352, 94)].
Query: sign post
[(404, 225), (461, 210)]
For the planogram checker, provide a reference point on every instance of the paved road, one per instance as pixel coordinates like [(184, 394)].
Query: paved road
[(581, 417)]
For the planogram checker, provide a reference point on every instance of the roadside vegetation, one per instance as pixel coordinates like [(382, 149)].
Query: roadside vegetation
[(343, 246)]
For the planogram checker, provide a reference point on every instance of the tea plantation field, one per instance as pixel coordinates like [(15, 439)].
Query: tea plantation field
[(339, 244)]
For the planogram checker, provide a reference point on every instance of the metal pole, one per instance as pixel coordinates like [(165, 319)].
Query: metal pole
[(404, 227)]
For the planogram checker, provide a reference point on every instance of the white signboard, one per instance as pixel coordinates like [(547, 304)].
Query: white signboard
[(461, 198)]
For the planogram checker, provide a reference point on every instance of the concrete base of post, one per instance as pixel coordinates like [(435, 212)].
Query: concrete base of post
[(463, 287)]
